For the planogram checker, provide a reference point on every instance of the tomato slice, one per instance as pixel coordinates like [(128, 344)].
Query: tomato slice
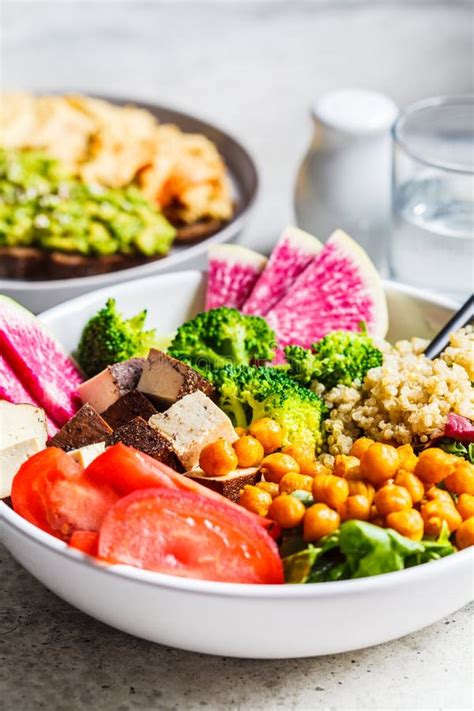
[(33, 480), (125, 469), (184, 534), (85, 541), (50, 491)]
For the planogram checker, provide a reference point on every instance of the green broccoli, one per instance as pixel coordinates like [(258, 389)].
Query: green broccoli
[(247, 393), (222, 336), (108, 338), (341, 357)]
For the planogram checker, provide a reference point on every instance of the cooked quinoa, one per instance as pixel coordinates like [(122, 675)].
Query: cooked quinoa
[(408, 398)]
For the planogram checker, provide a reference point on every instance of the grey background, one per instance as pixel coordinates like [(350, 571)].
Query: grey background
[(253, 68)]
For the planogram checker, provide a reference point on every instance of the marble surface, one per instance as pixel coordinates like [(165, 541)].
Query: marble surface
[(253, 68)]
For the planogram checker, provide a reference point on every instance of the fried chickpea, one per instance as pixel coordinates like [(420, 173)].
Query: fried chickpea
[(276, 465), (294, 482), (319, 521), (256, 500), (320, 468), (360, 446), (435, 512), (304, 456), (434, 465), (268, 432), (411, 483), (355, 507), (379, 463), (240, 431), (330, 490), (392, 498), (287, 511), (407, 457), (270, 487), (407, 523), (249, 451), (465, 534), (434, 493), (363, 488), (465, 506), (218, 458), (346, 466), (461, 481)]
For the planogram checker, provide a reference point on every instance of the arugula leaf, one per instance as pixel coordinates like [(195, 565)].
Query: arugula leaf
[(358, 550), (460, 449), (371, 550)]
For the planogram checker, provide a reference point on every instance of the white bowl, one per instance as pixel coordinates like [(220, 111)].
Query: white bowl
[(229, 619)]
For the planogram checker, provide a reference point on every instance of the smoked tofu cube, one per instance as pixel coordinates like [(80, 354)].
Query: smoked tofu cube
[(168, 380), (85, 455), (190, 424), (11, 459), (86, 427), (229, 485), (23, 432), (106, 387), (138, 434), (21, 422), (131, 405)]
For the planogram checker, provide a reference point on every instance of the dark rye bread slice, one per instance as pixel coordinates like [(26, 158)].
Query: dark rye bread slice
[(229, 485), (86, 427), (137, 433), (132, 404), (36, 264)]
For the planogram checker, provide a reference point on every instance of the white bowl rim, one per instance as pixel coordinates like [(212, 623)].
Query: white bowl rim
[(84, 299), (205, 587), (222, 589)]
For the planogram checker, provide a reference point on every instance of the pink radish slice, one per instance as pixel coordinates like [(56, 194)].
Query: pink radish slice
[(337, 290), (232, 273), (39, 361), (293, 252), (13, 391)]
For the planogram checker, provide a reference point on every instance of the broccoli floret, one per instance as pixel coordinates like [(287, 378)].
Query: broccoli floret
[(341, 357), (247, 393), (108, 338), (220, 337)]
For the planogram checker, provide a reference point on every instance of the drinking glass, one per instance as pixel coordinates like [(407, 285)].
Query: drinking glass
[(432, 242)]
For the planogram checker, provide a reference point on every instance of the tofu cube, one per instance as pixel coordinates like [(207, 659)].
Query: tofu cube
[(106, 387), (168, 379), (190, 424), (11, 459), (85, 455), (86, 427)]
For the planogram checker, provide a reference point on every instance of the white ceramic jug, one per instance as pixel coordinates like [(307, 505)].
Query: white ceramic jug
[(345, 178)]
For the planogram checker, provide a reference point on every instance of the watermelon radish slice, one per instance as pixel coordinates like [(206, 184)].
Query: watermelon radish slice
[(293, 252), (39, 361), (13, 391), (337, 290), (232, 273)]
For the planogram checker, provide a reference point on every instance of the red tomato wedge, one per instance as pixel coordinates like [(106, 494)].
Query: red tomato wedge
[(50, 491), (85, 541), (125, 469), (188, 535), (33, 480)]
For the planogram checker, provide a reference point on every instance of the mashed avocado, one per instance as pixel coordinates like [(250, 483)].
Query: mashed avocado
[(42, 206)]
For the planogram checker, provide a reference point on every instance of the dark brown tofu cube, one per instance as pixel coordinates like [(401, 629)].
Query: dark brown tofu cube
[(167, 380), (86, 427), (230, 484), (137, 433), (131, 405)]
